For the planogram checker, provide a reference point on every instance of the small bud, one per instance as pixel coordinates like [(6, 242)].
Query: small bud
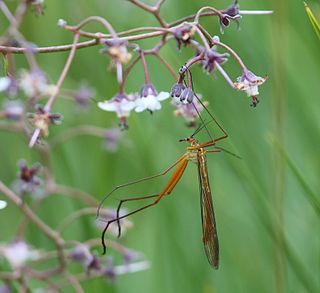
[(61, 23), (177, 90)]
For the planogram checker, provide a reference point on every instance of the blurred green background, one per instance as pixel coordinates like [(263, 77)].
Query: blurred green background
[(266, 204)]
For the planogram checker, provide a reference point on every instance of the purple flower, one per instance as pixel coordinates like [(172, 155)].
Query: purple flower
[(112, 136), (111, 214), (82, 254), (5, 289), (231, 13), (109, 271), (83, 96), (212, 57), (177, 90), (122, 105)]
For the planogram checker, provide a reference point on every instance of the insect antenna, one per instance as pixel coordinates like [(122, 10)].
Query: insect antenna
[(206, 109)]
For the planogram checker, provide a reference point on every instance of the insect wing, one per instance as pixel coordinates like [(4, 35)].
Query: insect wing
[(209, 230)]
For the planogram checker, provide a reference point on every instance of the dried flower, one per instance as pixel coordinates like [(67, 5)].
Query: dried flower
[(150, 99), (249, 83), (189, 111), (17, 253), (3, 204), (42, 119), (117, 50), (28, 181), (183, 34), (231, 13), (122, 105)]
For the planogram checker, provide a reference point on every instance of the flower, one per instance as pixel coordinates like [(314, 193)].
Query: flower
[(28, 182), (122, 105), (35, 84), (109, 271), (150, 99), (112, 138), (17, 253), (13, 110), (3, 204), (41, 120), (117, 50), (212, 57), (249, 83), (184, 34), (4, 83), (186, 96), (9, 85), (231, 13), (177, 90), (190, 111), (82, 254), (83, 96), (61, 23), (107, 215), (5, 289)]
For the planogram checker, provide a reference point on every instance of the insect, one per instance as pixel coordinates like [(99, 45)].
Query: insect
[(195, 152)]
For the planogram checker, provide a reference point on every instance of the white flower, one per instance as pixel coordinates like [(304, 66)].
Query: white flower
[(35, 84), (3, 204), (4, 83), (121, 104), (249, 83), (17, 253), (151, 102)]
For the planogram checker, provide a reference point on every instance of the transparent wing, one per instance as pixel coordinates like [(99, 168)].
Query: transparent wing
[(209, 230)]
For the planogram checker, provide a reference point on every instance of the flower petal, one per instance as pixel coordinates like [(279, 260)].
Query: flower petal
[(140, 105), (107, 106), (163, 96), (4, 83), (3, 204)]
